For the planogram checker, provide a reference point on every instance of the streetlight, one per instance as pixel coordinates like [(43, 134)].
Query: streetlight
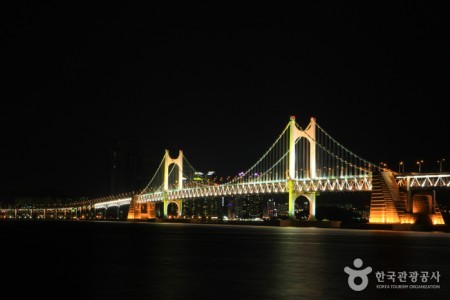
[(420, 162), (401, 167), (442, 160)]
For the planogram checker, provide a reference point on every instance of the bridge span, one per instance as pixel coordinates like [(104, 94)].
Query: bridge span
[(301, 162)]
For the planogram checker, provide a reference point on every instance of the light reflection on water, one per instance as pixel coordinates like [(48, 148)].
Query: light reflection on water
[(116, 260)]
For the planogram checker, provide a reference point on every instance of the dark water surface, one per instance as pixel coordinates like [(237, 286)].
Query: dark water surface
[(120, 260)]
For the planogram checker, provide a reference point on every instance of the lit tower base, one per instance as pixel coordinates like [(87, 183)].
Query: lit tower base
[(179, 203), (293, 195)]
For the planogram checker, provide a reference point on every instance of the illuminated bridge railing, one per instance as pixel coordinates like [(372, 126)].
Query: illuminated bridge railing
[(230, 190), (355, 183), (430, 180), (113, 203)]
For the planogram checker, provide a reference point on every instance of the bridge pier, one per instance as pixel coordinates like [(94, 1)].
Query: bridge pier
[(312, 206), (410, 205), (424, 207), (134, 212), (293, 195), (179, 203), (141, 211), (165, 205), (391, 204), (151, 210)]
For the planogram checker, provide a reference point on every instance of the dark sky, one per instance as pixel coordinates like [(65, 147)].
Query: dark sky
[(219, 82)]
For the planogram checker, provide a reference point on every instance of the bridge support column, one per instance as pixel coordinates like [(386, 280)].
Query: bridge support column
[(293, 195), (433, 203), (151, 210), (312, 206), (165, 205), (409, 200), (179, 203), (180, 208)]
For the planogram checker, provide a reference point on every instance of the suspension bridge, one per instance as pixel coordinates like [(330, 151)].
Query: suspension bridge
[(301, 162)]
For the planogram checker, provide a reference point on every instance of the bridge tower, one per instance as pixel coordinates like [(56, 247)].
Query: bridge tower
[(294, 134), (167, 162)]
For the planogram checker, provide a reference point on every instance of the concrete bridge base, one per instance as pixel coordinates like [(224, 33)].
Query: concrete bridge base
[(141, 211), (392, 205)]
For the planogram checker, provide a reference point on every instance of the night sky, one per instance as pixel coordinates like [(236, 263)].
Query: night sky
[(220, 82)]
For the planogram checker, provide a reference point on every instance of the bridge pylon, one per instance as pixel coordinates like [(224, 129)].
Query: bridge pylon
[(296, 133), (167, 162), (310, 134)]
